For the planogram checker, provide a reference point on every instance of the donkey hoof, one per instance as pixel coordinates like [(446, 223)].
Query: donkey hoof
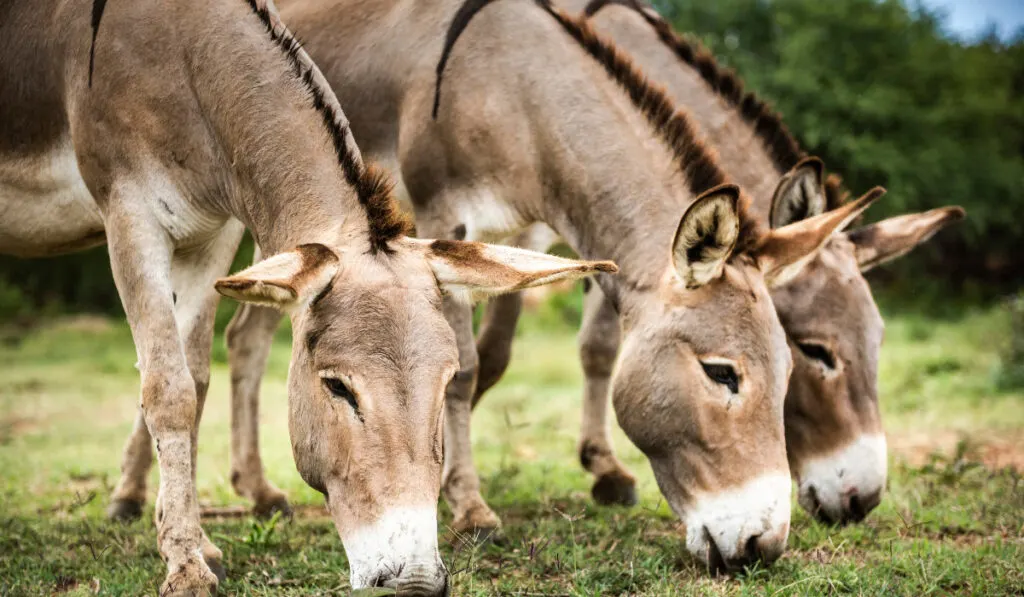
[(191, 579), (268, 508), (614, 489), (217, 569), (478, 527), (124, 510)]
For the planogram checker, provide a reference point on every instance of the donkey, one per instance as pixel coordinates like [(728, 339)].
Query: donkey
[(532, 117), (834, 437), (164, 129)]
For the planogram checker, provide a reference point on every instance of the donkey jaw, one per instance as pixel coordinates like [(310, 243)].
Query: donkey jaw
[(741, 526), (845, 485), (399, 548)]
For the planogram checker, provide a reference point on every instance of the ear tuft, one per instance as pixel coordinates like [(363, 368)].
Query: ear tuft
[(284, 281), (800, 194), (706, 236)]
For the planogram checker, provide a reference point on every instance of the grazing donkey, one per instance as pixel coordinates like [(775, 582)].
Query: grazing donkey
[(537, 119), (162, 129), (835, 443), (834, 437)]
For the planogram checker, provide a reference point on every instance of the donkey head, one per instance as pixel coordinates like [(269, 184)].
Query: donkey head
[(702, 374), (371, 359), (834, 438)]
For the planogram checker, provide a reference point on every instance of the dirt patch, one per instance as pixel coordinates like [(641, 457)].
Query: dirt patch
[(11, 427), (995, 450)]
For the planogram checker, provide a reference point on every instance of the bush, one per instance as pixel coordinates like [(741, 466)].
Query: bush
[(1010, 374)]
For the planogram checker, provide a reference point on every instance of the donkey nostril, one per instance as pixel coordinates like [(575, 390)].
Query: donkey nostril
[(750, 551), (859, 507), (856, 509), (817, 510), (716, 562)]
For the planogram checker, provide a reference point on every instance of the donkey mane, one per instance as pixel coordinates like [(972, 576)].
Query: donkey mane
[(698, 164), (372, 185), (783, 148)]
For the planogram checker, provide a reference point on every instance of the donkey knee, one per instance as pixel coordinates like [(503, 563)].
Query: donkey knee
[(463, 385), (169, 401), (597, 356)]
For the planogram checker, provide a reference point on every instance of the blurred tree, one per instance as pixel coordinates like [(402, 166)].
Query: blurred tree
[(876, 89)]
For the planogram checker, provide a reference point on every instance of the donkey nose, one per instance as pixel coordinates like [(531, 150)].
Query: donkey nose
[(758, 548), (857, 507), (418, 582)]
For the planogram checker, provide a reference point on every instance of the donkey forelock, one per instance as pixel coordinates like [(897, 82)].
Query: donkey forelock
[(675, 129), (767, 124)]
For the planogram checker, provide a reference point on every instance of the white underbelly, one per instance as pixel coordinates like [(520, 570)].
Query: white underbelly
[(45, 207)]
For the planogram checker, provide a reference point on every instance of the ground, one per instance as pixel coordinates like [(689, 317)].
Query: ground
[(952, 520)]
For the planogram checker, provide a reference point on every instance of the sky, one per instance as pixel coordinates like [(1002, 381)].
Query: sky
[(968, 18)]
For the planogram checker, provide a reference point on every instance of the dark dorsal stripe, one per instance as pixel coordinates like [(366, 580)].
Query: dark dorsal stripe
[(701, 171), (466, 12), (97, 15), (372, 185), (767, 124)]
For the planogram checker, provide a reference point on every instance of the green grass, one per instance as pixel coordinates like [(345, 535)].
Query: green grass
[(948, 524)]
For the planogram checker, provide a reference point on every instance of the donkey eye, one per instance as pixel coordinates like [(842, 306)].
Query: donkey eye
[(339, 390), (818, 352), (722, 374)]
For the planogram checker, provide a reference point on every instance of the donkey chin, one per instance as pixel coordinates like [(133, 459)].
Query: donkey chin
[(741, 526), (398, 551), (844, 486)]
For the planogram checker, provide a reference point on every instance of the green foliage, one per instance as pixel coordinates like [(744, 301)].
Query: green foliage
[(875, 87), (948, 524), (1010, 374), (886, 98)]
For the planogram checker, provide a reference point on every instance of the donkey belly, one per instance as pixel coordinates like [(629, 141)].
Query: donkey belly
[(45, 207)]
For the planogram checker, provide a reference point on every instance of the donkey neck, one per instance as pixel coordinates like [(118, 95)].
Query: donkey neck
[(742, 153), (287, 185), (613, 193)]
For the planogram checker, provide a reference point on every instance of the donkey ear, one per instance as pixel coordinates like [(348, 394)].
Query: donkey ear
[(800, 194), (286, 280), (787, 250), (895, 237), (472, 271), (706, 236)]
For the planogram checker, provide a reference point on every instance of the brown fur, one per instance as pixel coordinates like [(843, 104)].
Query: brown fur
[(769, 126), (780, 143), (673, 126), (373, 187)]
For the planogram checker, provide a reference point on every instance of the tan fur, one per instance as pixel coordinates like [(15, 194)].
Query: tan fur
[(584, 158), (756, 150), (193, 120)]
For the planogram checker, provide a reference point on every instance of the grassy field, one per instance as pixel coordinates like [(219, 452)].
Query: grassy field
[(951, 522)]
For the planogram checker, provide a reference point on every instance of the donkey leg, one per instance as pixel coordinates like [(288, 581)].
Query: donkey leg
[(460, 481), (141, 258), (130, 493), (494, 341), (599, 345), (193, 274), (249, 337)]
